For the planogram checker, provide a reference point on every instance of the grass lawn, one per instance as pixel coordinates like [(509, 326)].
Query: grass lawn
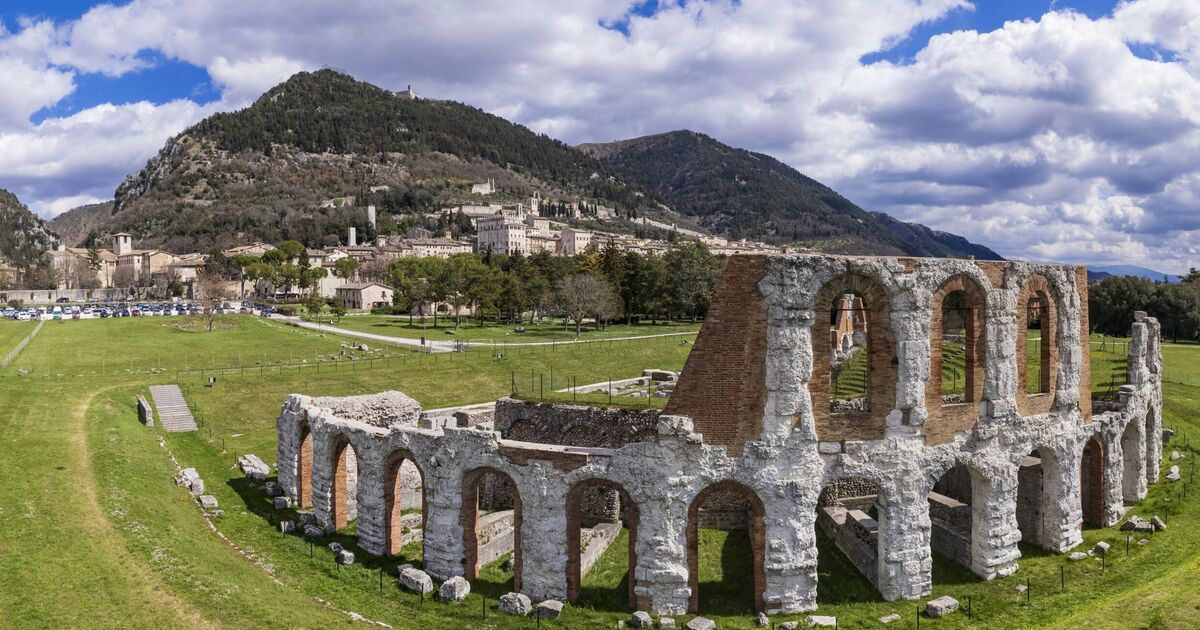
[(11, 333), (97, 535), (469, 330)]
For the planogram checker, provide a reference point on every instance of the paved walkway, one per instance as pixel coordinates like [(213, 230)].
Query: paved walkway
[(172, 408), (449, 346)]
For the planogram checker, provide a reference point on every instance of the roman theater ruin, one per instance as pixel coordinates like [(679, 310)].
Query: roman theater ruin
[(964, 461)]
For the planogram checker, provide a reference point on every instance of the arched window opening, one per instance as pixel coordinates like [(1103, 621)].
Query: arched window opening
[(848, 541), (849, 367), (404, 502), (304, 459), (491, 522), (1038, 509), (1091, 482), (726, 538), (957, 362), (602, 526), (343, 502), (1037, 344)]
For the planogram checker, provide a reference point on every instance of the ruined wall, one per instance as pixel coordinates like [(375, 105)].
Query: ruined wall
[(756, 431)]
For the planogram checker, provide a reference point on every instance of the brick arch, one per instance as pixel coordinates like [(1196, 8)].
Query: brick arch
[(304, 461), (881, 361), (945, 420), (1091, 481), (472, 480), (1029, 404), (758, 540), (339, 495), (574, 544), (392, 508)]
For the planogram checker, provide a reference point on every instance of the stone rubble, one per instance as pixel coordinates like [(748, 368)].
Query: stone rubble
[(281, 503), (886, 619), (1176, 456), (941, 606), (701, 623), (515, 604), (190, 479), (640, 619), (1158, 523), (455, 589), (821, 621), (208, 502), (253, 467), (1100, 547), (287, 526), (549, 609), (415, 580)]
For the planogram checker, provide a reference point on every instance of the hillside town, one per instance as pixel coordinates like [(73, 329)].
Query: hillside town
[(499, 229)]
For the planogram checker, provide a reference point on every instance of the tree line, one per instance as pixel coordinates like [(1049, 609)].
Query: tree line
[(1113, 301)]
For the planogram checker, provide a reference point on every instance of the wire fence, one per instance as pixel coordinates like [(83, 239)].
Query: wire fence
[(12, 355)]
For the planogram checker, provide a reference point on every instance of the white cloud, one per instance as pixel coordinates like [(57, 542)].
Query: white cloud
[(1047, 138)]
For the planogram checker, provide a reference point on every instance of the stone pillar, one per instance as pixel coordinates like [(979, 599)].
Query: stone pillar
[(662, 563), (443, 533), (287, 449), (1114, 499), (994, 529), (1153, 441), (904, 565), (372, 519), (1133, 461), (544, 525), (790, 553), (322, 479), (1062, 513)]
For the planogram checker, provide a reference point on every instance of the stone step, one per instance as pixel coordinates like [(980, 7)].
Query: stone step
[(172, 409)]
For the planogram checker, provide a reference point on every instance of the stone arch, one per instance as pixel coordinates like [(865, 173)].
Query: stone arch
[(758, 538), (628, 511), (881, 360), (1041, 498), (958, 512), (1091, 481), (343, 504), (304, 466), (393, 499), (1133, 462), (1041, 399), (949, 417), (473, 480)]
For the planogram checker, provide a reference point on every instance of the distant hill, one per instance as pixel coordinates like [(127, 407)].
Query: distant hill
[(751, 195), (74, 226), (24, 237), (1134, 270)]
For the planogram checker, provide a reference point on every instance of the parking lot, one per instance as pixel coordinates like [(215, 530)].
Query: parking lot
[(122, 309)]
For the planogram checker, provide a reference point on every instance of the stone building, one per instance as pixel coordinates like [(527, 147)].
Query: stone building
[(1020, 455), (365, 295)]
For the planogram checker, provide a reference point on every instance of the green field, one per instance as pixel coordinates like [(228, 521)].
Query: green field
[(469, 330), (95, 534)]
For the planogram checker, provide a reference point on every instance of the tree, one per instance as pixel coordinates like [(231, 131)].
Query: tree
[(311, 279), (314, 304), (211, 292), (583, 295), (293, 251), (692, 277), (289, 276), (338, 308), (344, 268), (242, 262)]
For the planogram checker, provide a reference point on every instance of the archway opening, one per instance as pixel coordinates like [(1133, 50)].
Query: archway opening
[(304, 459), (848, 541), (726, 538), (952, 517), (957, 361), (602, 524), (1091, 482), (343, 504), (1039, 512), (850, 350), (404, 502), (491, 522), (1133, 473), (1037, 328)]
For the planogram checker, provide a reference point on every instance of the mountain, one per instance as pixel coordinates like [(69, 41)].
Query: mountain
[(24, 237), (1133, 270), (751, 195), (75, 225), (265, 172)]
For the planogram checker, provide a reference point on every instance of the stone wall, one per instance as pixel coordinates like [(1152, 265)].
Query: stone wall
[(763, 440)]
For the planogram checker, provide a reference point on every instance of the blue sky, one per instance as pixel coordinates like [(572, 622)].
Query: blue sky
[(1047, 130)]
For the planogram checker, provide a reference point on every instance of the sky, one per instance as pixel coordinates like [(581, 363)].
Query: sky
[(1063, 130)]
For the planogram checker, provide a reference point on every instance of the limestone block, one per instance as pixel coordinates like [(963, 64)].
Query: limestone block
[(272, 489), (335, 546), (345, 556), (666, 622), (549, 609), (208, 502), (941, 606), (821, 621), (1158, 523), (789, 625), (415, 580), (515, 604), (886, 619), (1167, 434), (1100, 547), (313, 531), (286, 526), (282, 503), (640, 619), (762, 621), (1076, 556), (1176, 456), (701, 623), (455, 589)]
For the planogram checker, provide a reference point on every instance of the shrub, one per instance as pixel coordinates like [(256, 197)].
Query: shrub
[(286, 311)]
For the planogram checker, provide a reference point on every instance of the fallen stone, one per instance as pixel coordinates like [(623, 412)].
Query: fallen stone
[(789, 625), (515, 604), (821, 621), (1131, 523), (701, 623), (1101, 547), (640, 619), (889, 618), (1158, 523), (455, 589), (335, 546), (272, 488), (1173, 477), (253, 467), (666, 622), (1021, 588), (312, 531), (1176, 456), (215, 513), (282, 503), (762, 621), (1144, 541), (416, 580), (941, 606), (308, 518), (286, 526), (1167, 434), (549, 609), (208, 501), (345, 556), (1144, 527), (1076, 556)]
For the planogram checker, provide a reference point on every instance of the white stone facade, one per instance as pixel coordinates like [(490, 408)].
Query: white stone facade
[(789, 460)]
